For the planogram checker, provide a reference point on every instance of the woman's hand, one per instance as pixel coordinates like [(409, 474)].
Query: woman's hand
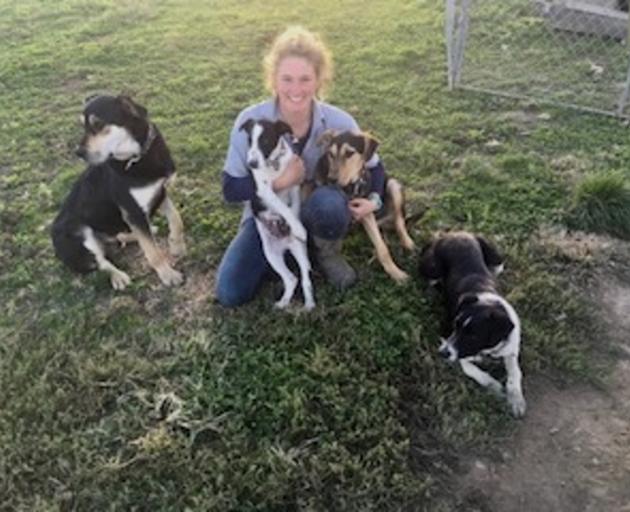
[(293, 175), (360, 207)]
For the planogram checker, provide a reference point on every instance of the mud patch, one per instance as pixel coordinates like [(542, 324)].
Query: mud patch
[(570, 454)]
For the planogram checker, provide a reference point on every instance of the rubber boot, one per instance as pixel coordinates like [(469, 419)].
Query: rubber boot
[(336, 269)]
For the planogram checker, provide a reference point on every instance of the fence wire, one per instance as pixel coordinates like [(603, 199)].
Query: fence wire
[(564, 52)]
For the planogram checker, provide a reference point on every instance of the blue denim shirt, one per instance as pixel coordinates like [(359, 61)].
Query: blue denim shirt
[(325, 116)]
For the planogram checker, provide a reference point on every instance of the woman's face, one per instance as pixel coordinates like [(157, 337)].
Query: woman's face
[(295, 84)]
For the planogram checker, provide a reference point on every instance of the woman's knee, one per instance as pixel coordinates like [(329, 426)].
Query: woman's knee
[(325, 213), (231, 296)]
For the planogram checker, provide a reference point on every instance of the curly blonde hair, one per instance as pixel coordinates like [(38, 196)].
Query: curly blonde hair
[(296, 41)]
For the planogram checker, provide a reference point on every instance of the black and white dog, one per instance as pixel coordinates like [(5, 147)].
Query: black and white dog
[(483, 322), (124, 184), (277, 214)]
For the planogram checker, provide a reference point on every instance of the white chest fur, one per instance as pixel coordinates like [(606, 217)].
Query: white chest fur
[(144, 196)]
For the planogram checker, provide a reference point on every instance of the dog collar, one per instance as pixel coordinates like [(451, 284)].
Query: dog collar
[(145, 147)]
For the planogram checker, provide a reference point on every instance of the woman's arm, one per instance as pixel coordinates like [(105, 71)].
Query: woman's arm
[(237, 190)]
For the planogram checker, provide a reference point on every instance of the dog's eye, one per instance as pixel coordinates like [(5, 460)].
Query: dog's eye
[(348, 153), (95, 124)]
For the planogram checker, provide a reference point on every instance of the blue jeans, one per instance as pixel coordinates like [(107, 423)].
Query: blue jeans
[(244, 267)]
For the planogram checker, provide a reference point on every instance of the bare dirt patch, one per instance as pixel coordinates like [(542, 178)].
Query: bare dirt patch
[(572, 450)]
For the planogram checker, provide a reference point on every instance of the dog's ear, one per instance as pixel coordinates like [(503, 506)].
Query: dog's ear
[(282, 127), (326, 138), (500, 325), (491, 255), (468, 300), (370, 145), (247, 126), (132, 107), (95, 123), (89, 98)]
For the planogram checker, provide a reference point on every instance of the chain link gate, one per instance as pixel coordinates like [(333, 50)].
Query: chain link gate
[(565, 52)]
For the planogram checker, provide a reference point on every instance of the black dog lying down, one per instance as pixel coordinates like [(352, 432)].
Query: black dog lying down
[(484, 323), (129, 166)]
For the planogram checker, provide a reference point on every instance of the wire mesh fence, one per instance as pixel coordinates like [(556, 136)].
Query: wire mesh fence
[(565, 52)]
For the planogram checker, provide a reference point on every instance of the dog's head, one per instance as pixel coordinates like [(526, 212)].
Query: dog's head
[(115, 127), (482, 326), (267, 148), (345, 154)]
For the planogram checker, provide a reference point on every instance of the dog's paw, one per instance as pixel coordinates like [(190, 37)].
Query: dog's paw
[(408, 244), (125, 238), (281, 304), (169, 276), (399, 276), (176, 247), (517, 404), (119, 279), (309, 305)]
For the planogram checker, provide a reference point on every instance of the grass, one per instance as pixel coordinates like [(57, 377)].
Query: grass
[(601, 204), (159, 399)]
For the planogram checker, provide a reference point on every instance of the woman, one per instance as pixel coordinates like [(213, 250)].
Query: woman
[(297, 70)]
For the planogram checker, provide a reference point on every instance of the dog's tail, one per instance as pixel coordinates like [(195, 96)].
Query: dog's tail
[(416, 216)]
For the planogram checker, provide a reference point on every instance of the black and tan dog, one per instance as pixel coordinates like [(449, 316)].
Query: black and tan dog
[(483, 323), (129, 166), (344, 164)]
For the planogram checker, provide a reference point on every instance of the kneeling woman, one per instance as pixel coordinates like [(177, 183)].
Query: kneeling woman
[(297, 70)]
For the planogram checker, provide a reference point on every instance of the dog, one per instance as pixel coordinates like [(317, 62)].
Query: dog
[(483, 322), (344, 164), (277, 214), (129, 166)]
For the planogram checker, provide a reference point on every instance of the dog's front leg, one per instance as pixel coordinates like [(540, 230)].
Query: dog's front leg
[(273, 202), (513, 386), (382, 252), (482, 378), (176, 243), (139, 225)]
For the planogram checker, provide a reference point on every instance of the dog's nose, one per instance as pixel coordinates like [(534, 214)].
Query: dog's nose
[(444, 352), (81, 152), (253, 164)]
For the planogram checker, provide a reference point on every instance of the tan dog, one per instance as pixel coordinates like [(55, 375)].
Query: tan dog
[(344, 164)]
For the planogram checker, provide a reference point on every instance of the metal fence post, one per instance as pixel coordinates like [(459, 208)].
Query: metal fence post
[(460, 42), (449, 29)]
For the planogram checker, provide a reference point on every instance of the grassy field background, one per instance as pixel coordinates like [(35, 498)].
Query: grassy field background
[(159, 399)]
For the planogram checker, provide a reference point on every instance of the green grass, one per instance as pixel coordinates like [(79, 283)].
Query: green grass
[(158, 399), (601, 203)]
